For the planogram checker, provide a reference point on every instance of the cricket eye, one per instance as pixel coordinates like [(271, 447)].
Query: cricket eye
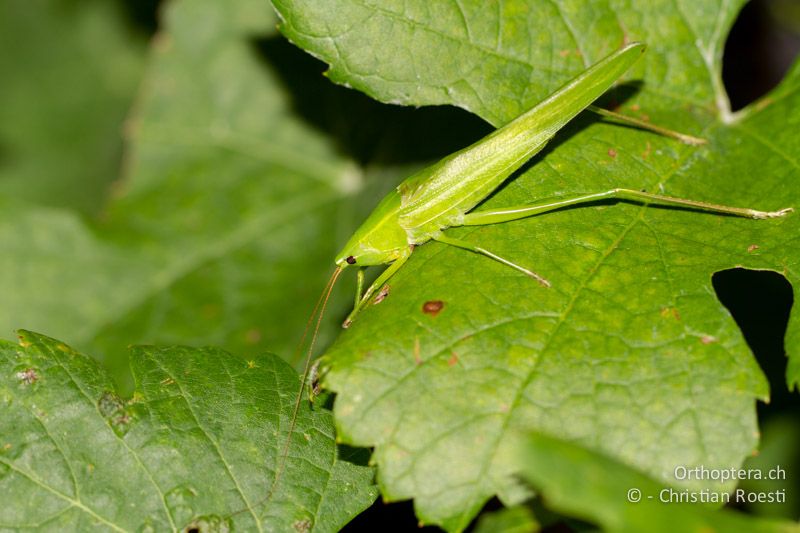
[(351, 260)]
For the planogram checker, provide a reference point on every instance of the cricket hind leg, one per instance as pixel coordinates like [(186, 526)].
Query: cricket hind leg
[(507, 214), (495, 216), (483, 251)]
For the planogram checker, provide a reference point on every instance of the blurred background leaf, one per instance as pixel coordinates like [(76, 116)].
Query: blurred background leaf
[(70, 71)]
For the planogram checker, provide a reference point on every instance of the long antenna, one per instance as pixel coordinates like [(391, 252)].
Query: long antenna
[(323, 300), (322, 297)]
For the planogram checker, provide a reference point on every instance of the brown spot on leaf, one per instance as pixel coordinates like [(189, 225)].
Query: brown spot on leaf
[(28, 376), (113, 409), (667, 312), (453, 359), (432, 307), (302, 526), (563, 53), (612, 153), (752, 248), (635, 107)]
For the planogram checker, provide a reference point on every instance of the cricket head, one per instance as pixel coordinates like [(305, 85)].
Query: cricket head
[(363, 253), (379, 240)]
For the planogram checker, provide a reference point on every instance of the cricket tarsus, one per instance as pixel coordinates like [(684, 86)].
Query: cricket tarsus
[(772, 214)]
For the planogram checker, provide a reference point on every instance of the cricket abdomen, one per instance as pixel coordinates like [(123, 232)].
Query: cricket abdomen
[(456, 184)]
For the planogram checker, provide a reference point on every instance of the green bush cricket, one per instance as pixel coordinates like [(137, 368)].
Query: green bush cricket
[(443, 195)]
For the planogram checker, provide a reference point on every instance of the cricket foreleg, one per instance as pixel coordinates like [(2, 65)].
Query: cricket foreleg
[(494, 216), (483, 251), (382, 279)]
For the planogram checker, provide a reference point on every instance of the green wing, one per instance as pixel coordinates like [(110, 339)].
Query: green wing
[(438, 196)]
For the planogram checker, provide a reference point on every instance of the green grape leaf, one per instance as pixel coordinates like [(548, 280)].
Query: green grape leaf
[(576, 481), (498, 60), (630, 352), (198, 445)]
